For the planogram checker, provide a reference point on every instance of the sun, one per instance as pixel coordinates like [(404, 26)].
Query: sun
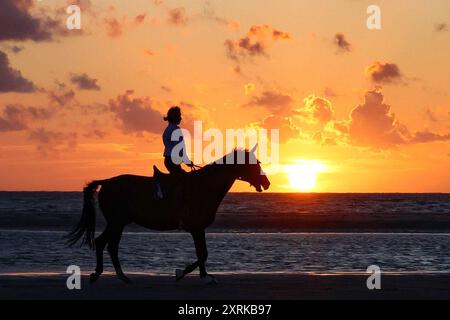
[(303, 174)]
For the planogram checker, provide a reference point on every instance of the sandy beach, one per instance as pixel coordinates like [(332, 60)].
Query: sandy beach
[(230, 286)]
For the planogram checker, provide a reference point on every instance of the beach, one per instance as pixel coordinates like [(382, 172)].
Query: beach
[(270, 246), (270, 286)]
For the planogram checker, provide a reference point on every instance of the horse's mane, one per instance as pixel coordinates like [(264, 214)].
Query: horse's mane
[(212, 166)]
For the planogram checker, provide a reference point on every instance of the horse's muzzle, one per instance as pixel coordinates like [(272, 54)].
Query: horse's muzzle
[(265, 183)]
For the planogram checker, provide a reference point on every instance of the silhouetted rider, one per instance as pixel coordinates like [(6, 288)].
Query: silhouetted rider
[(172, 161), (174, 119)]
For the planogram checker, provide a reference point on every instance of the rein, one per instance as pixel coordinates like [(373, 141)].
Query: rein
[(195, 167)]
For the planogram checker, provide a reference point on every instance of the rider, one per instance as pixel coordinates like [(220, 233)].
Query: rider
[(174, 168), (174, 119)]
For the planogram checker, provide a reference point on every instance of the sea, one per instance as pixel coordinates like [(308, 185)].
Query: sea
[(254, 233)]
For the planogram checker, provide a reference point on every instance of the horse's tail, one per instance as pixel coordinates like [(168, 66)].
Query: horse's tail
[(86, 226)]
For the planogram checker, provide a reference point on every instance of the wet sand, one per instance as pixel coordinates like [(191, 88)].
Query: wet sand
[(231, 286)]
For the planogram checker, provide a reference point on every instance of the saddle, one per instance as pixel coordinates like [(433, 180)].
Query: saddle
[(175, 192), (169, 183), (159, 175)]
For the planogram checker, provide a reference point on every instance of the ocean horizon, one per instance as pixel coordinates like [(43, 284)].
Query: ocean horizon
[(269, 232)]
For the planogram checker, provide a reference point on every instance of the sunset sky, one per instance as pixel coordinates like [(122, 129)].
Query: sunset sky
[(358, 110)]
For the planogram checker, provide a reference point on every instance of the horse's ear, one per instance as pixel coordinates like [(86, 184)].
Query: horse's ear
[(254, 148)]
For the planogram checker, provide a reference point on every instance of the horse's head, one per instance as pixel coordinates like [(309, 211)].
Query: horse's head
[(249, 169)]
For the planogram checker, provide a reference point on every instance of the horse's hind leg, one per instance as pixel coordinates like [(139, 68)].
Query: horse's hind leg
[(113, 249), (100, 243)]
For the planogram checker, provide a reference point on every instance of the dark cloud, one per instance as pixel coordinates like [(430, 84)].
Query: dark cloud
[(16, 117), (136, 115), (383, 72), (177, 16), (61, 98), (342, 43), (17, 24), (11, 80), (271, 100), (53, 141), (84, 82), (258, 39)]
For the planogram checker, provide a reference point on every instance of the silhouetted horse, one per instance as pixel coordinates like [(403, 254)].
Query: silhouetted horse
[(129, 198)]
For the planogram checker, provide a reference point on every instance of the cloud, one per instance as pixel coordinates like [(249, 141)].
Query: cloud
[(16, 49), (17, 24), (271, 100), (256, 42), (136, 115), (426, 136), (329, 93), (16, 117), (11, 80), (149, 52), (342, 43), (210, 14), (61, 98), (380, 72), (372, 124), (139, 18), (177, 16), (114, 28), (166, 89), (287, 129), (84, 82), (441, 27), (95, 134), (316, 110), (429, 114), (53, 141)]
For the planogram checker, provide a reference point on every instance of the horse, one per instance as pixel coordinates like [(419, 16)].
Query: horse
[(129, 199)]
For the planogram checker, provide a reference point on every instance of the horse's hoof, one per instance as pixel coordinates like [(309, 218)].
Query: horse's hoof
[(125, 279), (93, 277), (179, 274), (208, 279)]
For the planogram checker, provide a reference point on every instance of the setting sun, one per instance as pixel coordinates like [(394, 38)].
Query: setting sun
[(303, 175)]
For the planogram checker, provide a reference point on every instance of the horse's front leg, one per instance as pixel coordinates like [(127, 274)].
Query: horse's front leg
[(202, 256)]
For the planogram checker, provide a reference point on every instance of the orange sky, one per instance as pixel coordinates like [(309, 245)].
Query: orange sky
[(372, 107)]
